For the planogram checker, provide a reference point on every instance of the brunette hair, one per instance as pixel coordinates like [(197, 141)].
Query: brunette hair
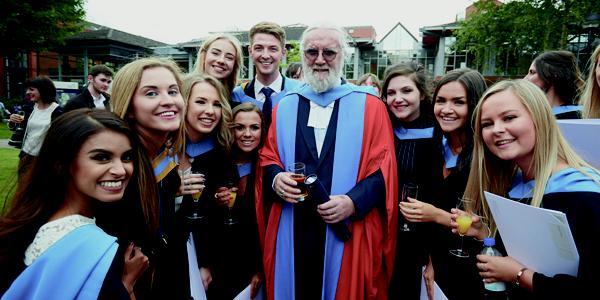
[(42, 189)]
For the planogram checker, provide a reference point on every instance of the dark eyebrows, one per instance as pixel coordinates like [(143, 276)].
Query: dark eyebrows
[(99, 151)]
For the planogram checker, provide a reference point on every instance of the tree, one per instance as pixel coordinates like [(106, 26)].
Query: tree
[(293, 54), (519, 30), (38, 24)]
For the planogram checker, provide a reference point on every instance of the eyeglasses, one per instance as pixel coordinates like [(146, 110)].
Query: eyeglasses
[(312, 54)]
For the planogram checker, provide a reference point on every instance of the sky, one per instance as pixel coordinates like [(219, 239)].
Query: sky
[(176, 21)]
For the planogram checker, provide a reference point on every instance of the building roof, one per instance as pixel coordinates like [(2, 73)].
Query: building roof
[(293, 33), (98, 32), (394, 28), (441, 27), (361, 32)]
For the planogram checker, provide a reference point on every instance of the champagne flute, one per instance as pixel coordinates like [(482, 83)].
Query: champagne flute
[(408, 190), (195, 213), (464, 221), (298, 171), (233, 194)]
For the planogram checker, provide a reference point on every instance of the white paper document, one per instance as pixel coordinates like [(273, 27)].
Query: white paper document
[(584, 137), (245, 294), (196, 286), (437, 292), (536, 237)]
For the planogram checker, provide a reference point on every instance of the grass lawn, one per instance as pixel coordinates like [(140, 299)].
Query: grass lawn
[(5, 133), (9, 159)]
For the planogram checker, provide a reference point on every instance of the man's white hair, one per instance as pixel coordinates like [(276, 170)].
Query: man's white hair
[(324, 84), (341, 35)]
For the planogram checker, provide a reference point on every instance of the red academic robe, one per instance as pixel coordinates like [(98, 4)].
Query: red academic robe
[(368, 259)]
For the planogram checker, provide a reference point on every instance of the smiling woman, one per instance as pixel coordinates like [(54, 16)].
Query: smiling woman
[(520, 152), (88, 157), (221, 56), (207, 151), (146, 93)]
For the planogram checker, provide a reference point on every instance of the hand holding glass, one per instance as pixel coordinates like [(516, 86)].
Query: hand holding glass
[(298, 171), (233, 195), (195, 211), (463, 221), (408, 190)]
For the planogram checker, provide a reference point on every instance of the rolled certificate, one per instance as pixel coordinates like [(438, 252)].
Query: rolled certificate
[(317, 191)]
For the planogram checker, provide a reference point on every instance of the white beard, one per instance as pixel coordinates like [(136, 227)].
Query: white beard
[(322, 85)]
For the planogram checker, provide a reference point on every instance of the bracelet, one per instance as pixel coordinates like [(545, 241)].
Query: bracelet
[(519, 274)]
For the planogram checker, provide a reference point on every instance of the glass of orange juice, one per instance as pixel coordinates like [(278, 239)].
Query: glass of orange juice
[(230, 220), (464, 221), (195, 212)]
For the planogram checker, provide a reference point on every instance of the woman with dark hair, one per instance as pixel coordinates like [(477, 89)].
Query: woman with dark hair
[(455, 98), (294, 71), (42, 93), (406, 92), (88, 157), (557, 74), (239, 262)]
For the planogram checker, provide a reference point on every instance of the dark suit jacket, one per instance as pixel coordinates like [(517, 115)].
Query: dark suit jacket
[(84, 100)]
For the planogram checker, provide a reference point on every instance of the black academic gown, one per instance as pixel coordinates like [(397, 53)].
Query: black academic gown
[(237, 247), (582, 208), (210, 234), (457, 277), (418, 163)]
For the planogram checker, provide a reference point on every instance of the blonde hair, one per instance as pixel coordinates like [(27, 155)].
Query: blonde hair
[(492, 174), (590, 99), (126, 83), (231, 81), (223, 135)]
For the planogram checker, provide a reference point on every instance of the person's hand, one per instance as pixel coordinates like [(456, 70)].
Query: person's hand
[(286, 187), (135, 265), (338, 208), (497, 268), (191, 184), (418, 211), (478, 229), (206, 277), (428, 275), (255, 284), (16, 118), (223, 195)]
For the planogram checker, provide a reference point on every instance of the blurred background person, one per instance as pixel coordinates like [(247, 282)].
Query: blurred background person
[(557, 74), (95, 94), (294, 71), (370, 79), (42, 93)]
